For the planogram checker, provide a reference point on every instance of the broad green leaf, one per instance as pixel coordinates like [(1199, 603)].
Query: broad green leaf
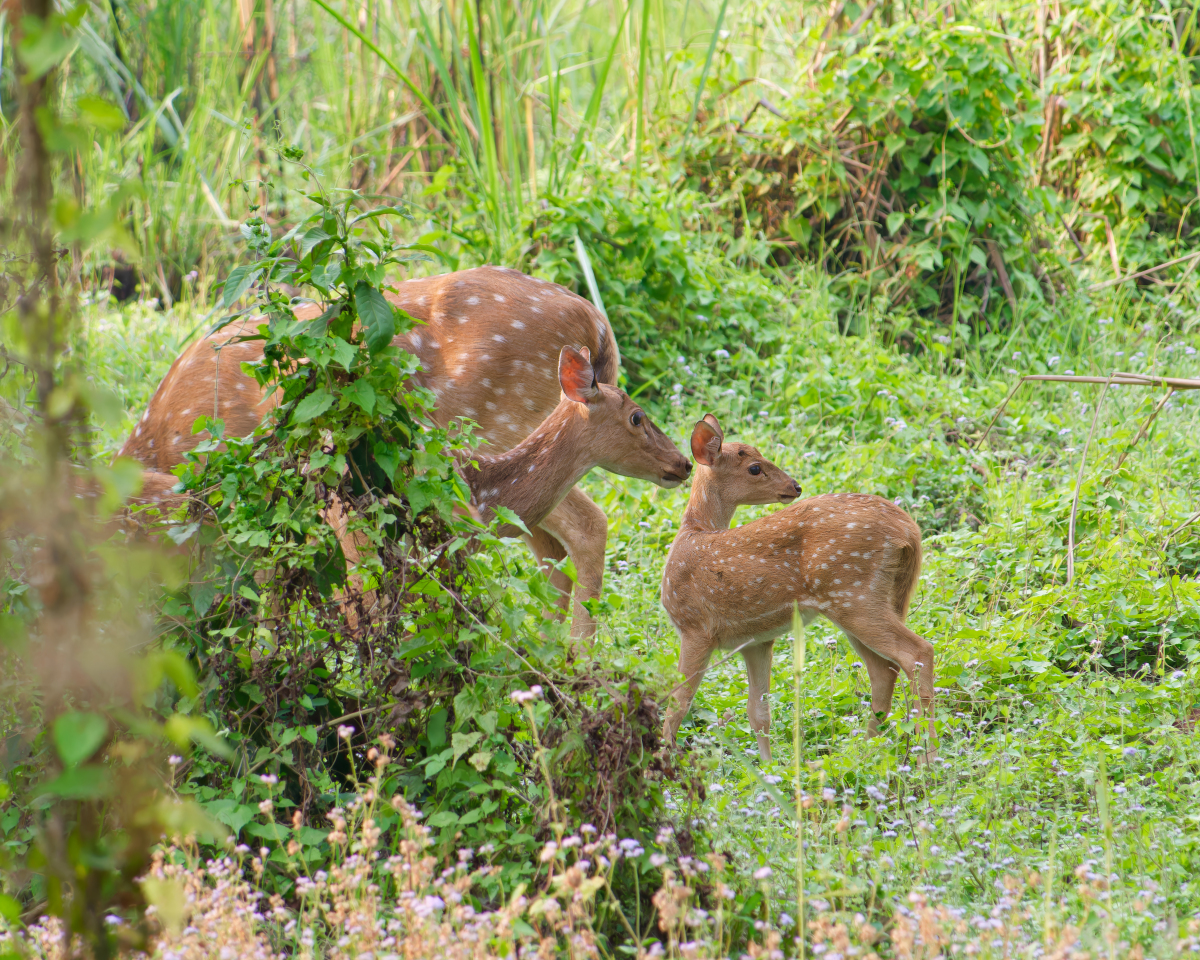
[(238, 282), (100, 113), (314, 236), (78, 735), (81, 783), (893, 142), (507, 516), (895, 220), (313, 405), (343, 352), (979, 159), (462, 742), (376, 316), (10, 909), (443, 819), (361, 393)]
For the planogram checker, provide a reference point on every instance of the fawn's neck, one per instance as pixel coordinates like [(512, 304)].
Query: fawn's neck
[(532, 478), (706, 510)]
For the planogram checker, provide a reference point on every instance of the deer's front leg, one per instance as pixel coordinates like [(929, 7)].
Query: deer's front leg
[(694, 652), (758, 707), (549, 551), (581, 526)]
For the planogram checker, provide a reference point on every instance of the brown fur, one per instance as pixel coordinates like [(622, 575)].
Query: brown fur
[(850, 557), (592, 426), (488, 349)]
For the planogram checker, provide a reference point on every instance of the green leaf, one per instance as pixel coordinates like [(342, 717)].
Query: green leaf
[(10, 909), (202, 595), (361, 393), (238, 282), (78, 735), (894, 142), (311, 239), (376, 316), (100, 113), (443, 819), (979, 159), (313, 405), (343, 352), (231, 813), (507, 516), (81, 783), (44, 44), (462, 742)]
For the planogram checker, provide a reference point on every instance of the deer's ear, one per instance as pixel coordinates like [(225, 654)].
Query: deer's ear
[(706, 442), (712, 422), (575, 374)]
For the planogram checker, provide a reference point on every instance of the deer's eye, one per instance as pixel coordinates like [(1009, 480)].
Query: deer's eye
[(637, 418), (755, 469)]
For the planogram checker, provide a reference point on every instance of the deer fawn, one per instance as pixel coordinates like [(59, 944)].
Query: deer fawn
[(594, 425), (488, 346), (850, 557)]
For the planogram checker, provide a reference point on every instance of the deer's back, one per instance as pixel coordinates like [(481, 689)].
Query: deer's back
[(825, 554), (488, 347)]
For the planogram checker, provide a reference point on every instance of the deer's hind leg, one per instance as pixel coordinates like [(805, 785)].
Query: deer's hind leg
[(758, 682), (882, 674), (889, 639), (582, 528)]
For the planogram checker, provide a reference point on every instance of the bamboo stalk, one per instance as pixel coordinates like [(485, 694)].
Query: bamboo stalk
[(1141, 273), (1079, 483)]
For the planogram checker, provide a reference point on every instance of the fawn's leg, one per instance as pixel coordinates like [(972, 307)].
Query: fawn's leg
[(889, 638), (758, 707), (581, 526), (694, 651), (548, 550), (882, 674)]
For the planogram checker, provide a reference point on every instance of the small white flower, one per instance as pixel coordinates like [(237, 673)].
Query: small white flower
[(345, 731), (762, 873), (267, 806), (174, 760), (657, 859), (721, 354), (269, 779)]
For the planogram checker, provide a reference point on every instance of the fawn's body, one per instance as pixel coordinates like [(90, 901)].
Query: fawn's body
[(850, 557), (488, 346)]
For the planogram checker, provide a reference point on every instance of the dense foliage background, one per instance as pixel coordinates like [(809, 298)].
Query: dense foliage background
[(846, 230)]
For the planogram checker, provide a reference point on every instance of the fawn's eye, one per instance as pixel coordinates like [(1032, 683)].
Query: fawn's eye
[(755, 469), (637, 418)]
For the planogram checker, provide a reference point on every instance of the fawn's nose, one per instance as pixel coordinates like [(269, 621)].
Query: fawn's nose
[(687, 468), (796, 485)]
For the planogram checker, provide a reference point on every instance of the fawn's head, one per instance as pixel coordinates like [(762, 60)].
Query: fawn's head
[(743, 476), (621, 435)]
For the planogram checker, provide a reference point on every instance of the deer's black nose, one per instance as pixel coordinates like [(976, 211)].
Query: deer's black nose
[(687, 467), (796, 485)]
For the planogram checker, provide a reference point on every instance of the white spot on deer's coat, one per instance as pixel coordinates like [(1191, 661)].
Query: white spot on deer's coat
[(472, 300), (498, 297), (415, 339), (498, 338), (151, 444), (518, 325), (138, 432)]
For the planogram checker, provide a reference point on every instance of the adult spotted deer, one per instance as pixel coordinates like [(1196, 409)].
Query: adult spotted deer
[(850, 557), (488, 346)]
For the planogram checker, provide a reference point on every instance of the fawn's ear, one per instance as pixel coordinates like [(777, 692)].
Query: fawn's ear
[(706, 441), (715, 424), (575, 374)]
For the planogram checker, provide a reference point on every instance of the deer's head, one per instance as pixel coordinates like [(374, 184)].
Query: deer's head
[(743, 476), (623, 437)]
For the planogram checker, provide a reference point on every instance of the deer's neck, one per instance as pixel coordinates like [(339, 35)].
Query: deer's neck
[(532, 478), (706, 510)]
